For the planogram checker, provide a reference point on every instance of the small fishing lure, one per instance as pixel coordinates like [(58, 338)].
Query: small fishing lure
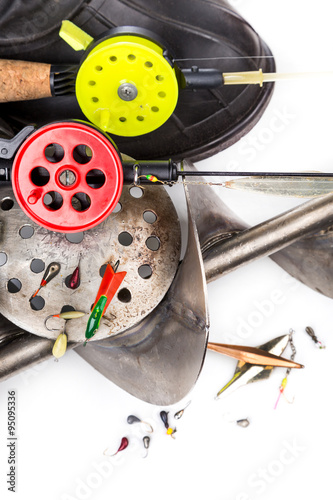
[(146, 443), (123, 445), (132, 419), (95, 317), (298, 187), (285, 379), (310, 331), (60, 345), (164, 418), (180, 413), (51, 272), (110, 283), (74, 280), (64, 315), (243, 422)]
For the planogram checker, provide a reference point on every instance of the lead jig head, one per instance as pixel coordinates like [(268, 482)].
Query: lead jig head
[(146, 443), (132, 419), (180, 413), (74, 279), (51, 272), (123, 445)]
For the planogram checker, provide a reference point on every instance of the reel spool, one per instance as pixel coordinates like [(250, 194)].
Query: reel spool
[(54, 176), (126, 84)]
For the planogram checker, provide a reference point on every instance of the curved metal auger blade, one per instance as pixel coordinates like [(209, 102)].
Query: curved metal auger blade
[(309, 260), (160, 359)]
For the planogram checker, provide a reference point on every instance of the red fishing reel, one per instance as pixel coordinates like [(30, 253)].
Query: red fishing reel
[(67, 176)]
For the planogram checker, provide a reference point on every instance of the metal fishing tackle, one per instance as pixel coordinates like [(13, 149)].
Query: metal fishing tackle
[(164, 418), (146, 443), (51, 272), (180, 413), (132, 419), (243, 422), (310, 331), (64, 315), (123, 445), (285, 379), (74, 279)]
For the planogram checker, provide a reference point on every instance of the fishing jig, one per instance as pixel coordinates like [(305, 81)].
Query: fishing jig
[(123, 445), (51, 272), (164, 418), (310, 331), (64, 315), (110, 283), (246, 373), (146, 443), (74, 279), (180, 413), (60, 345), (243, 422), (285, 379), (132, 419)]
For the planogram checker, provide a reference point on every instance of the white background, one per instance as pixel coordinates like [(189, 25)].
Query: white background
[(68, 413)]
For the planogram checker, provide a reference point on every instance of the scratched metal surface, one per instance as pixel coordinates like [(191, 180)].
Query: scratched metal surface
[(99, 246)]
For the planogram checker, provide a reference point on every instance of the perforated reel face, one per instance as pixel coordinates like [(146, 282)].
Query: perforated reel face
[(143, 233), (67, 177), (126, 86)]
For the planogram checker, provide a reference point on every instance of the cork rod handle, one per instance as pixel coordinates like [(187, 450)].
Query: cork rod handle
[(23, 81)]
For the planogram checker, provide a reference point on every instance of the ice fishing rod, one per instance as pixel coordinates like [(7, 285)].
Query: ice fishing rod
[(68, 176), (127, 82)]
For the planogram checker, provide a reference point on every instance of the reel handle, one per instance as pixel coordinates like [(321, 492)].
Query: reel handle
[(24, 80)]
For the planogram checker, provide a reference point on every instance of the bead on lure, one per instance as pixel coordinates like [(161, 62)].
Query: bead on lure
[(171, 432), (146, 443), (180, 413), (60, 346), (123, 445), (132, 419), (310, 331), (51, 272)]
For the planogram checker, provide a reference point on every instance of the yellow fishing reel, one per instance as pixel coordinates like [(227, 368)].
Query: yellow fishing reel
[(126, 83)]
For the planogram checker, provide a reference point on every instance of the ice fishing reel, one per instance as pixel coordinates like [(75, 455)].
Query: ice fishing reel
[(127, 82), (68, 176)]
